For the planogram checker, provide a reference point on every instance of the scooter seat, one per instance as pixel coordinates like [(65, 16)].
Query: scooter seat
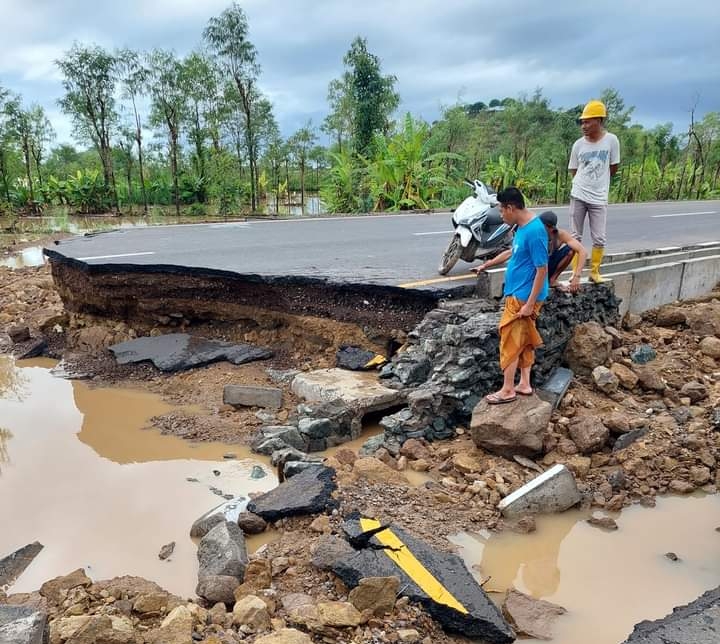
[(493, 219)]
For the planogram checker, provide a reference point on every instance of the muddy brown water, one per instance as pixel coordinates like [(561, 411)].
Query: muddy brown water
[(80, 474), (607, 581)]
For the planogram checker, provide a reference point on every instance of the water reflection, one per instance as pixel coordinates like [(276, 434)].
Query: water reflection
[(26, 258)]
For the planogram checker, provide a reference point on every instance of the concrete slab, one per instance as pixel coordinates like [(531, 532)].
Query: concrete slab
[(553, 491), (700, 276), (250, 396), (356, 389), (654, 286)]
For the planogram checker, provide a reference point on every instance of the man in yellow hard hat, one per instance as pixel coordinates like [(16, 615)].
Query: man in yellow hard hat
[(594, 158)]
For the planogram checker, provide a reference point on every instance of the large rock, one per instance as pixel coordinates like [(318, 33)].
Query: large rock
[(605, 380), (218, 588), (376, 594), (451, 594), (552, 491), (285, 636), (252, 612), (589, 434), (511, 429), (180, 351), (56, 589), (309, 492), (249, 396), (374, 470), (12, 566), (222, 551), (251, 523), (529, 616), (694, 623), (695, 391), (228, 511), (22, 625), (650, 379), (710, 347), (627, 377), (588, 348), (326, 615), (670, 316), (176, 628), (358, 390), (102, 629), (276, 437)]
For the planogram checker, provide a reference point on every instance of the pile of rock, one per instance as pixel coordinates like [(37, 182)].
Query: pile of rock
[(452, 359)]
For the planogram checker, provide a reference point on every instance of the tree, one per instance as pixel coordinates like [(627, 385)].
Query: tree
[(134, 79), (169, 105), (227, 37), (301, 144), (126, 143), (372, 95), (42, 134), (200, 78), (21, 130), (89, 81), (339, 122), (4, 142)]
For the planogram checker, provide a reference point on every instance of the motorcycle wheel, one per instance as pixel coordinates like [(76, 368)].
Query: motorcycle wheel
[(450, 256)]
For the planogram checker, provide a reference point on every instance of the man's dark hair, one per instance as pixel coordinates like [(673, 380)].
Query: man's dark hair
[(511, 197)]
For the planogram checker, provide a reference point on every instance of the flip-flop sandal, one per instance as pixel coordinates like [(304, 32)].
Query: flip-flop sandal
[(494, 399), (525, 393)]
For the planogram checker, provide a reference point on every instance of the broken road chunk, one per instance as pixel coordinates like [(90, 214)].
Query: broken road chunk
[(439, 581)]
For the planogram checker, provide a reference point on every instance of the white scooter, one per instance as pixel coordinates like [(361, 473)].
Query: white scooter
[(479, 229)]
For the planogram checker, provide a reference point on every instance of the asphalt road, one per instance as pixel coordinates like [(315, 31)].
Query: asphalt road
[(382, 249)]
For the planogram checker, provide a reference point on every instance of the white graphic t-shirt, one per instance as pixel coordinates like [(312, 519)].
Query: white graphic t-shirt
[(592, 161)]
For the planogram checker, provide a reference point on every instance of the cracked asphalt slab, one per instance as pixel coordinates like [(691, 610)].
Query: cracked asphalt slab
[(388, 250)]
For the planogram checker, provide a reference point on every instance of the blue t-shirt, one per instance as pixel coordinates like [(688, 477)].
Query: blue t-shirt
[(529, 252)]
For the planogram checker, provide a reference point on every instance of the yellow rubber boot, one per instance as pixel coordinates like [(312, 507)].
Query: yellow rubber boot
[(595, 261)]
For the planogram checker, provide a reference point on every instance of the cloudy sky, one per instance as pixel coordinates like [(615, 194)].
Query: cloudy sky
[(663, 56)]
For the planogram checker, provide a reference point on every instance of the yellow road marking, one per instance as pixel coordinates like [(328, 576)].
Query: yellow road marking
[(437, 280), (401, 555)]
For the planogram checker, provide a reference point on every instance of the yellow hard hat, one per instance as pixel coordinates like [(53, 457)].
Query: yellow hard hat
[(594, 110)]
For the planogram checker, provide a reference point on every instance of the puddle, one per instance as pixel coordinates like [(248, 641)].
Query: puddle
[(608, 581), (80, 474), (32, 256)]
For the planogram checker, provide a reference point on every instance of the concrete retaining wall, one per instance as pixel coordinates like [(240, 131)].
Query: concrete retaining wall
[(700, 276), (654, 286)]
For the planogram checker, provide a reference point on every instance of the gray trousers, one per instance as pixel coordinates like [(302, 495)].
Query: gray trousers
[(597, 217)]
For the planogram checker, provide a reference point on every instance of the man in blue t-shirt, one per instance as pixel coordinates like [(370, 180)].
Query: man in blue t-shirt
[(526, 288)]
